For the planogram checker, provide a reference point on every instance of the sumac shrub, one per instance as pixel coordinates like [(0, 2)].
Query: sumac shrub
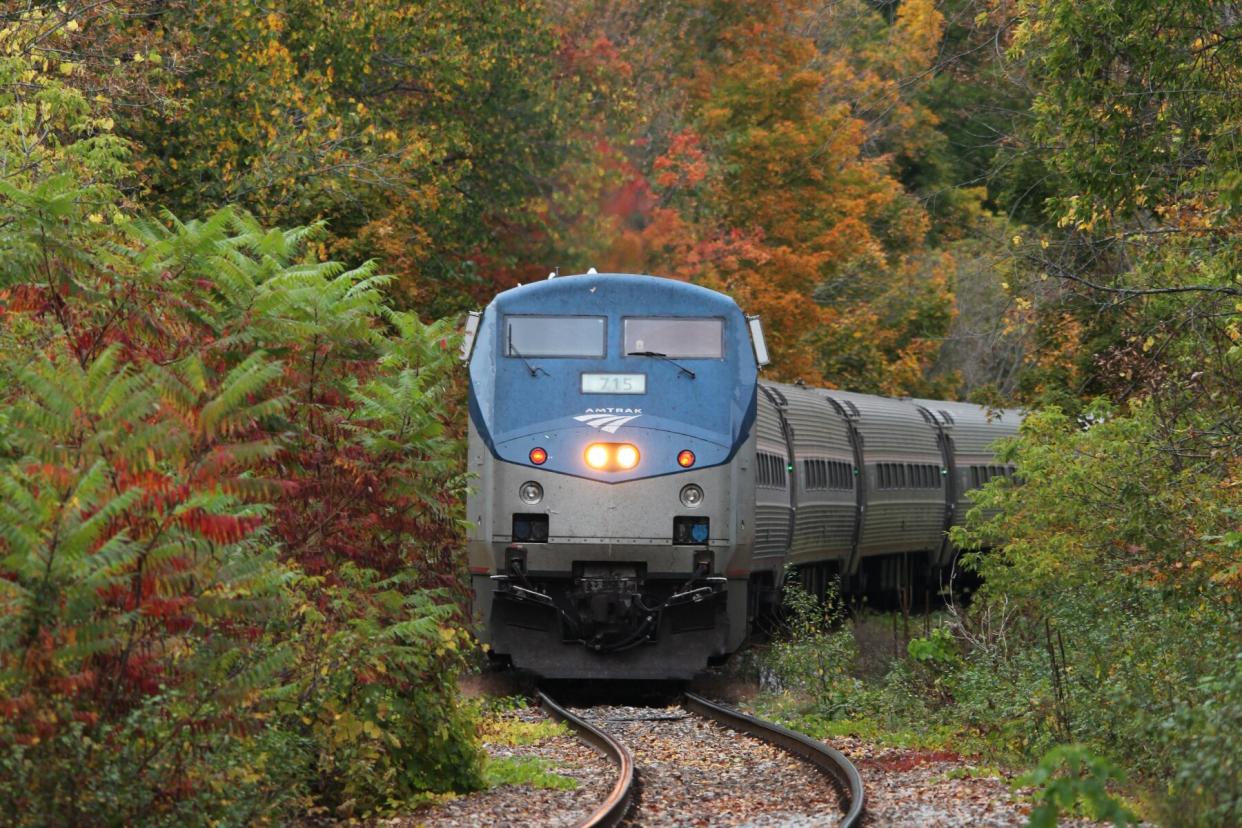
[(229, 501)]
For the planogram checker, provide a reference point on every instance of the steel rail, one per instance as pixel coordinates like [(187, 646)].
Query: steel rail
[(613, 809), (826, 759)]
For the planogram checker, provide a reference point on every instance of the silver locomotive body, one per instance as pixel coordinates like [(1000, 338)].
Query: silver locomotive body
[(607, 592)]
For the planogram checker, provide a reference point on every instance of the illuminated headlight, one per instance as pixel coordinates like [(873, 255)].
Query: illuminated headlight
[(627, 457), (531, 492), (611, 456), (597, 455), (691, 496)]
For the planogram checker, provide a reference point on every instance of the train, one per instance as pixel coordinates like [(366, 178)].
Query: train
[(640, 494)]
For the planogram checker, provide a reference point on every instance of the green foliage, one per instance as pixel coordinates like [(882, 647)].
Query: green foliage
[(1068, 777), (940, 648), (1114, 562), (1207, 784), (376, 697), (86, 775), (51, 127), (1139, 98), (419, 131)]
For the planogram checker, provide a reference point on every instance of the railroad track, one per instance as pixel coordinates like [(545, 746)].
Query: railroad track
[(623, 798), (613, 809)]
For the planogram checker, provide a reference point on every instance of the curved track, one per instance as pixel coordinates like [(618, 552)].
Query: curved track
[(828, 760), (612, 810), (620, 799)]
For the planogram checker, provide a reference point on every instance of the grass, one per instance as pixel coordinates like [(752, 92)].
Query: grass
[(799, 714), (525, 770)]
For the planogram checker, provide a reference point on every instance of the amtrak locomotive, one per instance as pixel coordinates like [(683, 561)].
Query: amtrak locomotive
[(639, 492)]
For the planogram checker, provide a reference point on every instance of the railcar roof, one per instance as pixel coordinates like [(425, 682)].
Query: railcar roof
[(1006, 417), (649, 290)]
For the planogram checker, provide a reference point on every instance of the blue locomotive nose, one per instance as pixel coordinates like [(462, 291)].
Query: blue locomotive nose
[(614, 378)]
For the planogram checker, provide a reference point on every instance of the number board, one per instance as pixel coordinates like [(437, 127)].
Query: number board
[(614, 383)]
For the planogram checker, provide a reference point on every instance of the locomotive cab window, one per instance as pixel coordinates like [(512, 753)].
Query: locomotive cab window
[(554, 336), (679, 338)]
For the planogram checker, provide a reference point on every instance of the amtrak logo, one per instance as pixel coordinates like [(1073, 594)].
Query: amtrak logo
[(609, 419)]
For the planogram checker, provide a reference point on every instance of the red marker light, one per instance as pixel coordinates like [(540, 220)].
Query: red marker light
[(685, 458), (538, 456)]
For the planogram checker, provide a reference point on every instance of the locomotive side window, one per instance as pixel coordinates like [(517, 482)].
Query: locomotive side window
[(554, 336), (679, 338)]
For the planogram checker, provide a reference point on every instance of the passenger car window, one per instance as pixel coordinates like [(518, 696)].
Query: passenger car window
[(554, 336), (680, 338)]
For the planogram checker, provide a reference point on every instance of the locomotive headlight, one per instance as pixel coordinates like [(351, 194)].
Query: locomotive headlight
[(627, 456), (597, 455), (691, 496), (530, 492)]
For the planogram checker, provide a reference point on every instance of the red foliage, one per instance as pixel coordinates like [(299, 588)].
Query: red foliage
[(219, 528)]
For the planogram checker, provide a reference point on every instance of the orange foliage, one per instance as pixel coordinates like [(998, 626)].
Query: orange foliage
[(765, 189)]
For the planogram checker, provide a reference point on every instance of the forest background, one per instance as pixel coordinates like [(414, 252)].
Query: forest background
[(230, 476)]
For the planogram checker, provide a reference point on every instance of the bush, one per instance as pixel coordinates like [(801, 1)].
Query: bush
[(811, 655), (1116, 560), (1082, 785), (229, 504)]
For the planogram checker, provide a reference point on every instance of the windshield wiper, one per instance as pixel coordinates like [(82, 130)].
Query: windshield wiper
[(534, 372), (666, 358)]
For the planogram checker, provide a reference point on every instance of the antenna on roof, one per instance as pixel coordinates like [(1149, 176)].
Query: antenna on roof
[(552, 274), (592, 271)]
